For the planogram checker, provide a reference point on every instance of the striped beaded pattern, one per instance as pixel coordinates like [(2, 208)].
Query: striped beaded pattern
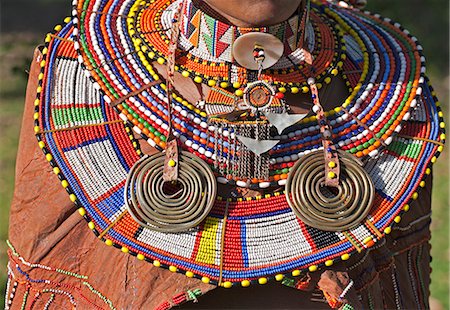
[(91, 151)]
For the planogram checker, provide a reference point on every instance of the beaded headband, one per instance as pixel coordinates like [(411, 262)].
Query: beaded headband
[(391, 121)]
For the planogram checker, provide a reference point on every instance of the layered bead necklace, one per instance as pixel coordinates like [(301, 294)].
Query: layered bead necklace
[(239, 240), (379, 101)]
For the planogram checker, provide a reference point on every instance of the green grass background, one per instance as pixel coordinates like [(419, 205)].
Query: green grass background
[(21, 30)]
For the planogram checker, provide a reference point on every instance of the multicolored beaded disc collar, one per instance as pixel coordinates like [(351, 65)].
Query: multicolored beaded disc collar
[(98, 74)]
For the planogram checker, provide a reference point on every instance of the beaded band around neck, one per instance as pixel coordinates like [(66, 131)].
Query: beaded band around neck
[(96, 59), (216, 38)]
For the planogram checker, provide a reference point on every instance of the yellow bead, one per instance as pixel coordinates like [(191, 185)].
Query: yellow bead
[(398, 219), (440, 149), (211, 83), (151, 55), (433, 159), (312, 268), (406, 208), (334, 72), (367, 240), (245, 283), (140, 256), (91, 225), (189, 274), (387, 230), (64, 183), (282, 89), (72, 197), (415, 196), (239, 93), (224, 84), (441, 114), (205, 280), (58, 27), (56, 170), (156, 263), (329, 263), (36, 129), (173, 268), (442, 125), (67, 19), (108, 242), (172, 163), (82, 211), (41, 144), (198, 79), (295, 90), (227, 284), (331, 164), (124, 250), (422, 184), (279, 277), (305, 89), (443, 136), (331, 175), (296, 273), (36, 116), (327, 80), (262, 281), (345, 256), (36, 102), (236, 84), (160, 60)]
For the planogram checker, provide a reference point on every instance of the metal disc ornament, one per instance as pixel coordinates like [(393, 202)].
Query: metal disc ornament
[(166, 207), (324, 208), (245, 44)]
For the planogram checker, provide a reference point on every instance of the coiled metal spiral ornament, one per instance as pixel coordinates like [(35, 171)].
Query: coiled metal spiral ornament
[(152, 205), (329, 209)]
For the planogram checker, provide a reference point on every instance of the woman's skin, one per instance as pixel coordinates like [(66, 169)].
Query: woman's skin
[(254, 13)]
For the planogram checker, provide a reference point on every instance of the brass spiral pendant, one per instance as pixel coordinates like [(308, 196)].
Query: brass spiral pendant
[(324, 208), (170, 207)]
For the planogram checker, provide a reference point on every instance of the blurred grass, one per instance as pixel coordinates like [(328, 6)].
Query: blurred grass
[(428, 21)]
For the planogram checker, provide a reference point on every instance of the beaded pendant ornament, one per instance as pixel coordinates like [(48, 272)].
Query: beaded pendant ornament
[(98, 86)]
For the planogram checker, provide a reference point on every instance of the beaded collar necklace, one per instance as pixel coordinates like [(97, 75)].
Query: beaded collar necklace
[(79, 127), (380, 99), (207, 43)]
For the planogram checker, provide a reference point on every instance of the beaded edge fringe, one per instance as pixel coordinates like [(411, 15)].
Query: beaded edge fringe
[(128, 127)]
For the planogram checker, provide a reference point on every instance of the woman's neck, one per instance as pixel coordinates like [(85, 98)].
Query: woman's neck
[(253, 13)]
